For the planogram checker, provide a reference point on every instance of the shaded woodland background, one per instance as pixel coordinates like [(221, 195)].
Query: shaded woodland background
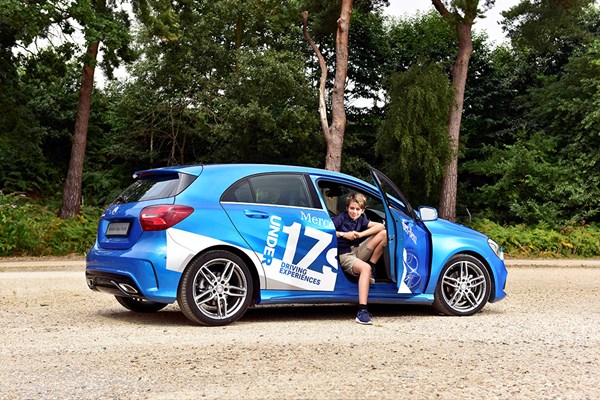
[(235, 81)]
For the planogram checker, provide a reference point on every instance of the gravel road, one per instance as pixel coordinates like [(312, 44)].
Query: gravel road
[(59, 340)]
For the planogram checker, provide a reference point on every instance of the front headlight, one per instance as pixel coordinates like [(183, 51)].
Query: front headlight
[(496, 248)]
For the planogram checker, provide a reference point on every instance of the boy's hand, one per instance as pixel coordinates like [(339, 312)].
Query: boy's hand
[(353, 235)]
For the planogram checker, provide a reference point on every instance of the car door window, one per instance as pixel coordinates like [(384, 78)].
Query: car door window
[(276, 189), (239, 192)]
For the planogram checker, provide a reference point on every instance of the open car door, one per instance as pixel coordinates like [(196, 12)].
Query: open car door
[(408, 241)]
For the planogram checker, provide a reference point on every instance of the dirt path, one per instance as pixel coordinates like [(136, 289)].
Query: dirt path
[(61, 340)]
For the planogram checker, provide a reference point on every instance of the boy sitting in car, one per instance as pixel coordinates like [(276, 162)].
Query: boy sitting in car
[(360, 246)]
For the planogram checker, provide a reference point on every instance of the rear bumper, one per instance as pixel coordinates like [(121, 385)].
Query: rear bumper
[(115, 284), (130, 273)]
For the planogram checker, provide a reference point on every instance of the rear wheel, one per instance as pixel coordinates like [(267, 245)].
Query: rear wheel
[(464, 286), (140, 305), (216, 289)]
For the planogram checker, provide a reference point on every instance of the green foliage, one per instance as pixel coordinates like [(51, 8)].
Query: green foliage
[(220, 91), (413, 138), (570, 99), (552, 175), (534, 185), (547, 31), (543, 241), (268, 114), (35, 124), (27, 228), (233, 81), (422, 39)]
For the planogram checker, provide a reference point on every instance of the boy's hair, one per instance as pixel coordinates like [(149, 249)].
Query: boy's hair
[(357, 198)]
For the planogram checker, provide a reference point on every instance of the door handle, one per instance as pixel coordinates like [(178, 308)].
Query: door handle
[(256, 214)]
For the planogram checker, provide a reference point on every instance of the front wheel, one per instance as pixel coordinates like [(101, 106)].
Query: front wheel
[(216, 289), (140, 305), (463, 288)]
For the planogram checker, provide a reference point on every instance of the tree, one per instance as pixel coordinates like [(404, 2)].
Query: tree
[(547, 31), (461, 16), (37, 100), (334, 133), (413, 139), (228, 85), (72, 190), (540, 161), (102, 21), (367, 65)]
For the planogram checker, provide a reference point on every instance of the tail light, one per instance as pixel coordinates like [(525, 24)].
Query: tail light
[(159, 218)]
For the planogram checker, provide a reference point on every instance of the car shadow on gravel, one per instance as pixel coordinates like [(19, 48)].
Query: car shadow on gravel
[(274, 313), (169, 316), (329, 312)]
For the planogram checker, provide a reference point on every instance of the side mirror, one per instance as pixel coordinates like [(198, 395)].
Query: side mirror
[(428, 213)]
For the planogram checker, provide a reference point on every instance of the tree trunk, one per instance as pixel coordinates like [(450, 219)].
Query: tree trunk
[(459, 82), (334, 134), (71, 204), (335, 142), (463, 25)]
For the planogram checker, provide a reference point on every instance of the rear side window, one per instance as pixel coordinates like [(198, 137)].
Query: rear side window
[(240, 192), (277, 189), (155, 186)]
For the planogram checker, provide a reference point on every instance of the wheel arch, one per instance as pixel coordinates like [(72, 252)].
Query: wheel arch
[(241, 254), (445, 248)]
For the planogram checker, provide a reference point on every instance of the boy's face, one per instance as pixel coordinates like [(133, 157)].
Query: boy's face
[(354, 210)]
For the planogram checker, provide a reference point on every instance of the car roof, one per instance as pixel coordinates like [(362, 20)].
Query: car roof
[(240, 170)]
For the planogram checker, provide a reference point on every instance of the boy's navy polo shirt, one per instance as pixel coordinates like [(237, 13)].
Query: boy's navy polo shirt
[(343, 223)]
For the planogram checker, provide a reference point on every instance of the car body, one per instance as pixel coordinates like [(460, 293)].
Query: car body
[(220, 238)]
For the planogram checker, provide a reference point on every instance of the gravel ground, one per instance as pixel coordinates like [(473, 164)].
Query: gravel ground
[(60, 340)]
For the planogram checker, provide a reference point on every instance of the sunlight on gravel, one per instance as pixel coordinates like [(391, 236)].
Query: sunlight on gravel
[(61, 340)]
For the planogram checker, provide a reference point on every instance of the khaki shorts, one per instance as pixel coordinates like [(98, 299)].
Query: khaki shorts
[(360, 252)]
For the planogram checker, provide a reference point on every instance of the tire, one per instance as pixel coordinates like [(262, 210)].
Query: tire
[(463, 288), (140, 305), (216, 289)]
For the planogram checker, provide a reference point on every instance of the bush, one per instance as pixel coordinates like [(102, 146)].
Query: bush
[(542, 241), (533, 182), (30, 229)]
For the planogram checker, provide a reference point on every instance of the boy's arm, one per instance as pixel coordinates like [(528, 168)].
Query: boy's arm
[(372, 228), (337, 222)]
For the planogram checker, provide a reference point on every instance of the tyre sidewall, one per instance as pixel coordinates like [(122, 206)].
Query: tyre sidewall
[(185, 296), (440, 303)]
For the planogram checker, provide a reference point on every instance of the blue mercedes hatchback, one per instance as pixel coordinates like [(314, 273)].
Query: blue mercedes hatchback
[(221, 238)]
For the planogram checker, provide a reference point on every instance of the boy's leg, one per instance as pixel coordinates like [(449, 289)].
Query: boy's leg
[(363, 270), (376, 242), (371, 249)]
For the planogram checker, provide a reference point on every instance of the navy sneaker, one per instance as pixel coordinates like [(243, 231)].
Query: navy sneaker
[(364, 317)]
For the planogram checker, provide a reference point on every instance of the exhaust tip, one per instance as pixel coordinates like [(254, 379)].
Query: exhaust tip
[(128, 288)]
